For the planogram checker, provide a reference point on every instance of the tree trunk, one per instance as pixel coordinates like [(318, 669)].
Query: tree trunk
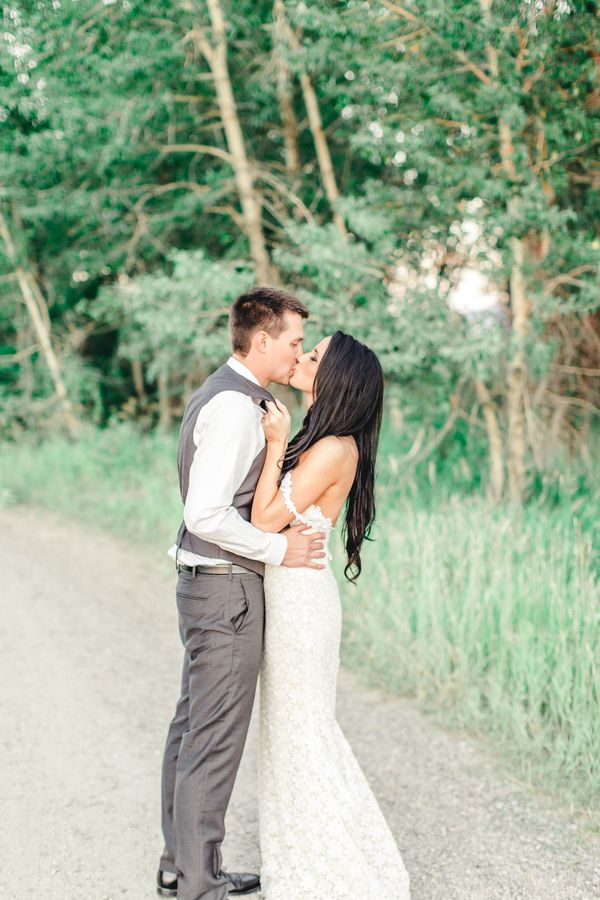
[(24, 337), (284, 95), (494, 437), (164, 403), (216, 56), (316, 126), (138, 380), (517, 366), (517, 375), (38, 315)]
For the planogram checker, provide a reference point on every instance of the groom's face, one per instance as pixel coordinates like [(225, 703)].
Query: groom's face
[(284, 351)]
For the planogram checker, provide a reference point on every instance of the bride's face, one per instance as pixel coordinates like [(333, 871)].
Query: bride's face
[(303, 377)]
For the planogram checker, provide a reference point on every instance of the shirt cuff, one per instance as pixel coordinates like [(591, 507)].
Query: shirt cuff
[(277, 550)]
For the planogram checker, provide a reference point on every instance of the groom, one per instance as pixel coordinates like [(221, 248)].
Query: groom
[(220, 559)]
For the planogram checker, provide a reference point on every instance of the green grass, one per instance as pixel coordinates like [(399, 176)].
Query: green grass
[(115, 478), (488, 616), (492, 620)]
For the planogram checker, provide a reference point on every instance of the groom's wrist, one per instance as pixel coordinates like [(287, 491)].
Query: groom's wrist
[(277, 550)]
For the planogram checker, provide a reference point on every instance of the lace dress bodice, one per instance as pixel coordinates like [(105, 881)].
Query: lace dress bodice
[(313, 516)]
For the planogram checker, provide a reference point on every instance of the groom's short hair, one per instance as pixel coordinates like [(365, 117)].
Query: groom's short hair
[(261, 309)]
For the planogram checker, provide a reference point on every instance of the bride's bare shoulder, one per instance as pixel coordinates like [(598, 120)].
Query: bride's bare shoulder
[(336, 451), (350, 444)]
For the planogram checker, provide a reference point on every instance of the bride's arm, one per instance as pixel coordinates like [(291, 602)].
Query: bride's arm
[(321, 467)]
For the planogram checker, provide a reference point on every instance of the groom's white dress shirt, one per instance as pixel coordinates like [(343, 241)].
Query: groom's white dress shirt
[(228, 435)]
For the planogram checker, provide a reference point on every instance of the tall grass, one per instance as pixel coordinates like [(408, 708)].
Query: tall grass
[(494, 620), (114, 478), (489, 616)]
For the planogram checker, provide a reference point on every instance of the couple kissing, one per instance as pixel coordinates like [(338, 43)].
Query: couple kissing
[(256, 594)]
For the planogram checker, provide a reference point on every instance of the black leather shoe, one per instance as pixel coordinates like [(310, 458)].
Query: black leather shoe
[(165, 890), (241, 882)]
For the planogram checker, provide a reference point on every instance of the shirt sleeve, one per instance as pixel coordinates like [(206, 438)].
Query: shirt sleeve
[(226, 446)]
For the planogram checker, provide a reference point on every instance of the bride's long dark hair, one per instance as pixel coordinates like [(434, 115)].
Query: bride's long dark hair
[(348, 394)]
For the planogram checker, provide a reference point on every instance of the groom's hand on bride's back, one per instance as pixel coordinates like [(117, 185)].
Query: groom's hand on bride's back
[(304, 551)]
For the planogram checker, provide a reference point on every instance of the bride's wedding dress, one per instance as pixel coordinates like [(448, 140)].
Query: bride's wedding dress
[(322, 834)]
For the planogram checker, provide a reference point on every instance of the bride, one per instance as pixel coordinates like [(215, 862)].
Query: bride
[(322, 834)]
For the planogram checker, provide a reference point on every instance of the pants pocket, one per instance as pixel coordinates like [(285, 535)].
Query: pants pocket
[(238, 605), (191, 604)]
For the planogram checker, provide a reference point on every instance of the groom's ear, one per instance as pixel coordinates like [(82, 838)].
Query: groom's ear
[(260, 341)]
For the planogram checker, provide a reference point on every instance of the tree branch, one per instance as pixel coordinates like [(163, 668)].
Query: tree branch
[(459, 54), (417, 456), (197, 37), (12, 358), (197, 148)]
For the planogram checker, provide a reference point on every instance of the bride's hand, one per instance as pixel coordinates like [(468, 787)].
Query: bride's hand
[(276, 422)]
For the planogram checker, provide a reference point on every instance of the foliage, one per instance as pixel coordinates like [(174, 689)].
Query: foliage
[(104, 204), (176, 321)]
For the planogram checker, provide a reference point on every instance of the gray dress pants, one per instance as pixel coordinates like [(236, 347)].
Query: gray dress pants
[(221, 621)]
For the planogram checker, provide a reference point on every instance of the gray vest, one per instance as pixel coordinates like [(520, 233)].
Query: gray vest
[(224, 379)]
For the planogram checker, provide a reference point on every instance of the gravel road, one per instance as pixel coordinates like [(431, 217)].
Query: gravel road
[(90, 657)]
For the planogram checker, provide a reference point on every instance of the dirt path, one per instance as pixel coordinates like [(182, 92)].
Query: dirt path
[(89, 659)]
